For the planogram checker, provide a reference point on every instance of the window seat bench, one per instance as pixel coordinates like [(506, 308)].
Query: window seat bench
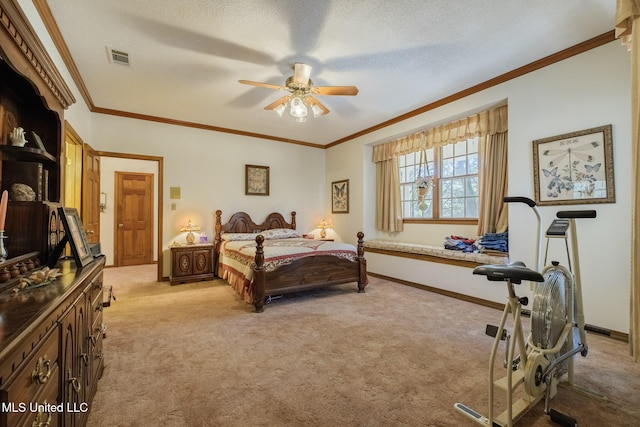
[(433, 253)]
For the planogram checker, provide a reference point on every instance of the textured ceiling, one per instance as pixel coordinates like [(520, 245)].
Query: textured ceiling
[(187, 56)]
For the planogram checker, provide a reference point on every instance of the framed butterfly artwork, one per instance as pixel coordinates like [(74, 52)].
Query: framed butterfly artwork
[(340, 196), (574, 168)]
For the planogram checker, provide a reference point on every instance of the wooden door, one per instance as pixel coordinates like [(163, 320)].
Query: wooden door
[(134, 218), (91, 194)]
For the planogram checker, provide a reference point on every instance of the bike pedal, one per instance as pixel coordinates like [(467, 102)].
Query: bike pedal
[(562, 419), (492, 331)]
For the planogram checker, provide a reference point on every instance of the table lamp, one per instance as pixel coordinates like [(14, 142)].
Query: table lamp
[(190, 227), (323, 228)]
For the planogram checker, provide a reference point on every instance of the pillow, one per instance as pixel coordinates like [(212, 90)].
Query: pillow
[(238, 236), (280, 233)]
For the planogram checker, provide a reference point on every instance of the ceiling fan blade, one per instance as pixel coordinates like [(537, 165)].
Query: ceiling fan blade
[(301, 74), (335, 90), (310, 100), (278, 102), (260, 84)]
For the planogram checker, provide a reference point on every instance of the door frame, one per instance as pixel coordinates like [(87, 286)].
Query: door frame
[(159, 202)]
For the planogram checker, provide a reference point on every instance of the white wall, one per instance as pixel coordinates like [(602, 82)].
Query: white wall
[(585, 91)]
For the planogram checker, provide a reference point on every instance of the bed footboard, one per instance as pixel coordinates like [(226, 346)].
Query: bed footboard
[(306, 273)]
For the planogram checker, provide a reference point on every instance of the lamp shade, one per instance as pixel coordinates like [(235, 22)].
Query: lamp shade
[(298, 109)]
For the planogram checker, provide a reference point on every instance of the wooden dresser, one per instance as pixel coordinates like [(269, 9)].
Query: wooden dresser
[(51, 349)]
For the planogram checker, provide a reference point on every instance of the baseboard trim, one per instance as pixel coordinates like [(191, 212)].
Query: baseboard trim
[(620, 336)]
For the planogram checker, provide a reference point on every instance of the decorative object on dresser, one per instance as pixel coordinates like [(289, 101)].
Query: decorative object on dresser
[(256, 180), (259, 260), (340, 196), (17, 137), (26, 181), (191, 263), (38, 141)]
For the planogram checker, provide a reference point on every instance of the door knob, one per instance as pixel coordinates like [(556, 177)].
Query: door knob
[(121, 225)]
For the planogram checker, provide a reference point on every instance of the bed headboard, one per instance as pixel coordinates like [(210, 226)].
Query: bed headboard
[(241, 222)]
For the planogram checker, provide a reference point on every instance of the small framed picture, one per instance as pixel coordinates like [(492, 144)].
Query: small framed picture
[(76, 236), (256, 180), (38, 141), (340, 196), (574, 168)]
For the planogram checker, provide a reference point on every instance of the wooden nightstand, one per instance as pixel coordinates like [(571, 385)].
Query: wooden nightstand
[(190, 263)]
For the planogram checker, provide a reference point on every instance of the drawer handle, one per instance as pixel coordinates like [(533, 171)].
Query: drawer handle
[(43, 419), (42, 372), (75, 383)]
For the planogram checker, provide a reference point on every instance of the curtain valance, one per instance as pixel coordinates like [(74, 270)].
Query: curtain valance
[(488, 122), (626, 11)]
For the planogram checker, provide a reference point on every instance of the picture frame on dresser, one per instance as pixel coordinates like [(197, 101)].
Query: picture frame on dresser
[(38, 141), (74, 234)]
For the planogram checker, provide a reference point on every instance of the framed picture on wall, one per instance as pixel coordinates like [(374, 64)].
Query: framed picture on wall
[(340, 196), (75, 235), (574, 168), (256, 180)]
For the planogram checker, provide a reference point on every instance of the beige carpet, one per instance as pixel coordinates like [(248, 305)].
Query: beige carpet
[(196, 355)]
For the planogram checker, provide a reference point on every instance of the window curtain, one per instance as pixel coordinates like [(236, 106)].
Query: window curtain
[(482, 125), (627, 28), (388, 206), (492, 216)]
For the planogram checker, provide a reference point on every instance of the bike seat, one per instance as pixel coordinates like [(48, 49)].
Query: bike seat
[(515, 272)]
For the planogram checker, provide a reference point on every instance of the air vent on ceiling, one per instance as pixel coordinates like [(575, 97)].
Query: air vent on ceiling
[(118, 57)]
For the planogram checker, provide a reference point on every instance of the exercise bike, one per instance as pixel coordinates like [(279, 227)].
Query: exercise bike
[(536, 365)]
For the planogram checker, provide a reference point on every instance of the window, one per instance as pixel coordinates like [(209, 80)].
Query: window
[(454, 189)]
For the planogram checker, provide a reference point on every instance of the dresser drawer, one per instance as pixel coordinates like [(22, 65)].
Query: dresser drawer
[(36, 376), (44, 410), (96, 308)]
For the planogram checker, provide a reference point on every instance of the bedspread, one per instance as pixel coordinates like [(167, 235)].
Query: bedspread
[(237, 258)]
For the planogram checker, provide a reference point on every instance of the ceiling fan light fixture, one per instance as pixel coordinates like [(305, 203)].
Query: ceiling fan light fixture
[(317, 111), (298, 109), (280, 109)]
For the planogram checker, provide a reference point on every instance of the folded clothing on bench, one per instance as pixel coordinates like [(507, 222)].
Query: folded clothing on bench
[(435, 251)]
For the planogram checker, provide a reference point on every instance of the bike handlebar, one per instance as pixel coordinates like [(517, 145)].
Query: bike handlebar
[(576, 214), (519, 199), (559, 214)]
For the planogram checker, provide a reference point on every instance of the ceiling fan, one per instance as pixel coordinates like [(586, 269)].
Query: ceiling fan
[(301, 90)]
